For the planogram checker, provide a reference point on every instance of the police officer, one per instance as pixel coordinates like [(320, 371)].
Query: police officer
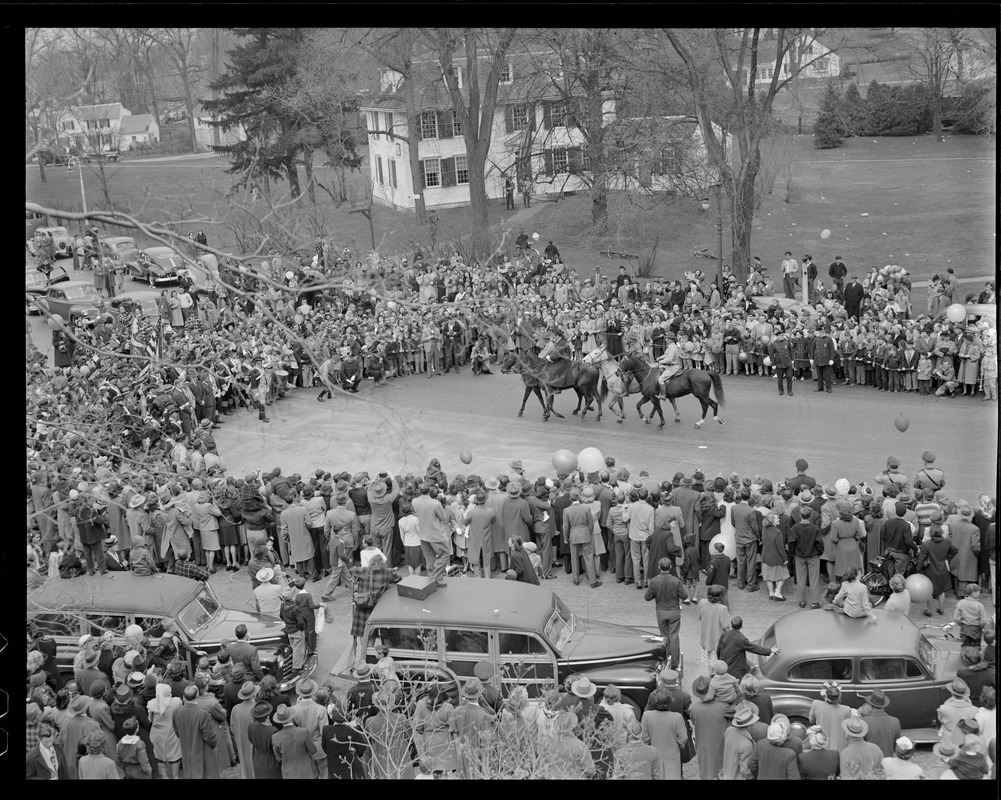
[(929, 476), (780, 353), (892, 475)]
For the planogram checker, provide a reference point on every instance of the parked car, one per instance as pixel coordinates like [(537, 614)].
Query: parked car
[(890, 653), (32, 222), (145, 301), (121, 249), (66, 609), (87, 156), (527, 633), (61, 239), (71, 299), (36, 285), (156, 265), (51, 157)]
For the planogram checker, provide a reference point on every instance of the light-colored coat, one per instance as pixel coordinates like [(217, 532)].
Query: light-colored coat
[(239, 723), (293, 528)]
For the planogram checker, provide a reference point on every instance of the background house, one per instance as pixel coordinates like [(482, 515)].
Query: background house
[(138, 131), (91, 127)]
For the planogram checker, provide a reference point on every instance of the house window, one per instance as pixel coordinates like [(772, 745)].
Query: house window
[(432, 172), (585, 161), (69, 126), (461, 169), (507, 74), (456, 72), (765, 73), (373, 124), (392, 172), (456, 125), (668, 162), (429, 125), (91, 125), (558, 115), (519, 117), (808, 50), (378, 169), (105, 123), (387, 122), (560, 160), (821, 64)]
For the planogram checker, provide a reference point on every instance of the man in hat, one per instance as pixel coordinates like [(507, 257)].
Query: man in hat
[(738, 746), (823, 353), (382, 493), (945, 752), (639, 515), (359, 696), (884, 730), (966, 539), (75, 728), (471, 719), (708, 725), (780, 352), (47, 760), (929, 476), (268, 592), (898, 540), (859, 759), (433, 532), (771, 760), (481, 518), (790, 275), (578, 525), (838, 271), (293, 747), (686, 498), (311, 717), (516, 514), (892, 475), (801, 479), (240, 720)]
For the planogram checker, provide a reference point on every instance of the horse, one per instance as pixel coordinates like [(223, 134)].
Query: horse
[(545, 377), (690, 381), (617, 387)]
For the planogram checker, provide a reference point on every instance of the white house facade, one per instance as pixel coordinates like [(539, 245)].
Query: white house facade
[(137, 131), (91, 127)]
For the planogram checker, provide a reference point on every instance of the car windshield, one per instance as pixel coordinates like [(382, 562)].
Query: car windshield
[(200, 612), (130, 245), (33, 278), (927, 654), (560, 626), (82, 293)]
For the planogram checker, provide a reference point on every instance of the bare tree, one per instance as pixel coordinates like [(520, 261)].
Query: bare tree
[(179, 44), (936, 59)]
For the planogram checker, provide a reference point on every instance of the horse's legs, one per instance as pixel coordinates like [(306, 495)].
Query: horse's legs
[(660, 413), (550, 397), (705, 410), (580, 399), (677, 414), (639, 408), (528, 391)]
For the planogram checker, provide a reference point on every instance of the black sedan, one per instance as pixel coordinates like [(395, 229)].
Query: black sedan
[(36, 285)]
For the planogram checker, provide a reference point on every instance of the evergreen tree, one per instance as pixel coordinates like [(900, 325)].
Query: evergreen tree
[(853, 110), (829, 130)]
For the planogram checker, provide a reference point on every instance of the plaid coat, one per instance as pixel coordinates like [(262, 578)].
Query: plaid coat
[(374, 581)]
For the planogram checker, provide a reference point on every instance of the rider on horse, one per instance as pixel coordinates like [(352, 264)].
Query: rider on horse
[(670, 361), (556, 347)]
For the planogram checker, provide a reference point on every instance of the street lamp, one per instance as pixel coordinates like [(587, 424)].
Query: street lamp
[(705, 204), (74, 161), (718, 189)]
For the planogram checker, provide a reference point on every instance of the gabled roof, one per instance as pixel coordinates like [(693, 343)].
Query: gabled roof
[(136, 123), (104, 111)]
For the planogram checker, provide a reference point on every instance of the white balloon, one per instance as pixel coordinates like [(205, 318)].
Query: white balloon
[(825, 234)]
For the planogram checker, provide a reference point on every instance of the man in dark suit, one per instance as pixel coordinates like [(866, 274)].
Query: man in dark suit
[(48, 753), (733, 648), (837, 271), (854, 295), (823, 352), (667, 590), (801, 479), (780, 353), (243, 652)]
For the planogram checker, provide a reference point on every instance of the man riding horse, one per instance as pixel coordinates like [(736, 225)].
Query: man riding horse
[(670, 361)]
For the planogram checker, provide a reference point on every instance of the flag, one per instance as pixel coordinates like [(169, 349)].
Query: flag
[(149, 344)]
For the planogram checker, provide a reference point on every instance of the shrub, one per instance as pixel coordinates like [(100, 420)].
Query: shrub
[(895, 111), (829, 130)]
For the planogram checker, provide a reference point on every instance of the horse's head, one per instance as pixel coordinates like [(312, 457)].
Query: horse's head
[(510, 360), (595, 355)]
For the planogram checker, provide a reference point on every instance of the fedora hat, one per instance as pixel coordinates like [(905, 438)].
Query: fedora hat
[(687, 481), (363, 671), (480, 497), (959, 688), (878, 699), (91, 658), (248, 690), (306, 688), (261, 711), (587, 494), (265, 575), (136, 501), (945, 749), (378, 489), (855, 727), (516, 466), (492, 483), (78, 705), (700, 686), (283, 715), (514, 489), (744, 717), (472, 689), (582, 687), (123, 692)]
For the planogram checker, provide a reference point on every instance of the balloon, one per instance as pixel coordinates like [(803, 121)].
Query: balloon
[(729, 541), (85, 370), (956, 312), (767, 362), (55, 322), (590, 459), (742, 356), (764, 340), (902, 423), (825, 234), (919, 586), (298, 319), (465, 456), (535, 237), (391, 305), (564, 462)]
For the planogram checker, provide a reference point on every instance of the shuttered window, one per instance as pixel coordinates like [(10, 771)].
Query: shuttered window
[(431, 172), (461, 170), (429, 125), (392, 173)]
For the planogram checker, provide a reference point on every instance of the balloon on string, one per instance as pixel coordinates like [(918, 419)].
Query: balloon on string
[(564, 462), (298, 319), (919, 586), (590, 459), (742, 356), (825, 234), (956, 312), (465, 456), (729, 541), (85, 370), (535, 237), (902, 423), (768, 361), (55, 322)]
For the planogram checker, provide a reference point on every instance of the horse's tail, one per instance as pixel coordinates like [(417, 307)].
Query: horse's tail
[(718, 388)]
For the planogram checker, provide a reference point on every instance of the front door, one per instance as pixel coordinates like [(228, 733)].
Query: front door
[(523, 659), (913, 695), (464, 647)]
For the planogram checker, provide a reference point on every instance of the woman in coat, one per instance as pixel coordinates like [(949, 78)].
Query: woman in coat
[(260, 731), (166, 745), (774, 559), (846, 532), (206, 519), (665, 730), (176, 317), (933, 552), (708, 723), (434, 724)]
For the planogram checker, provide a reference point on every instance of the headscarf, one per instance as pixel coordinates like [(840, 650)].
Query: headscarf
[(161, 702)]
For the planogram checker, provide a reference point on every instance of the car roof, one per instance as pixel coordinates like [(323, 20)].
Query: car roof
[(828, 633), (115, 591), (74, 285), (469, 602), (160, 251), (117, 239)]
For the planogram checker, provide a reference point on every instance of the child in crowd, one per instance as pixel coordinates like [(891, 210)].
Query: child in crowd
[(971, 616), (722, 685), (368, 551), (411, 540), (690, 570)]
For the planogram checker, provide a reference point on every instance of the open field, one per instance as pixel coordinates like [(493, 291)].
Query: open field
[(928, 206)]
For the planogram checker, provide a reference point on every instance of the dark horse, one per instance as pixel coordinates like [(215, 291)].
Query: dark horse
[(692, 381), (545, 377)]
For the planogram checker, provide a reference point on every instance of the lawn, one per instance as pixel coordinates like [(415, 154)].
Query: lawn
[(906, 201)]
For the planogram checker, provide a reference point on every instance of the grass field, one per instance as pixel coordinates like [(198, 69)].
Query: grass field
[(925, 205)]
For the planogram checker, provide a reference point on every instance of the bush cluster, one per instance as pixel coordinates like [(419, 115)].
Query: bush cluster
[(884, 111)]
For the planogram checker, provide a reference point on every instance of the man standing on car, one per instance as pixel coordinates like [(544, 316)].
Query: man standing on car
[(837, 271), (667, 590), (790, 269)]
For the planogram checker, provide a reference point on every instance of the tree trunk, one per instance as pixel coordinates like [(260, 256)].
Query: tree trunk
[(342, 191), (742, 218), (936, 117), (599, 204), (292, 171), (478, 203), (189, 104), (413, 142), (307, 160)]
